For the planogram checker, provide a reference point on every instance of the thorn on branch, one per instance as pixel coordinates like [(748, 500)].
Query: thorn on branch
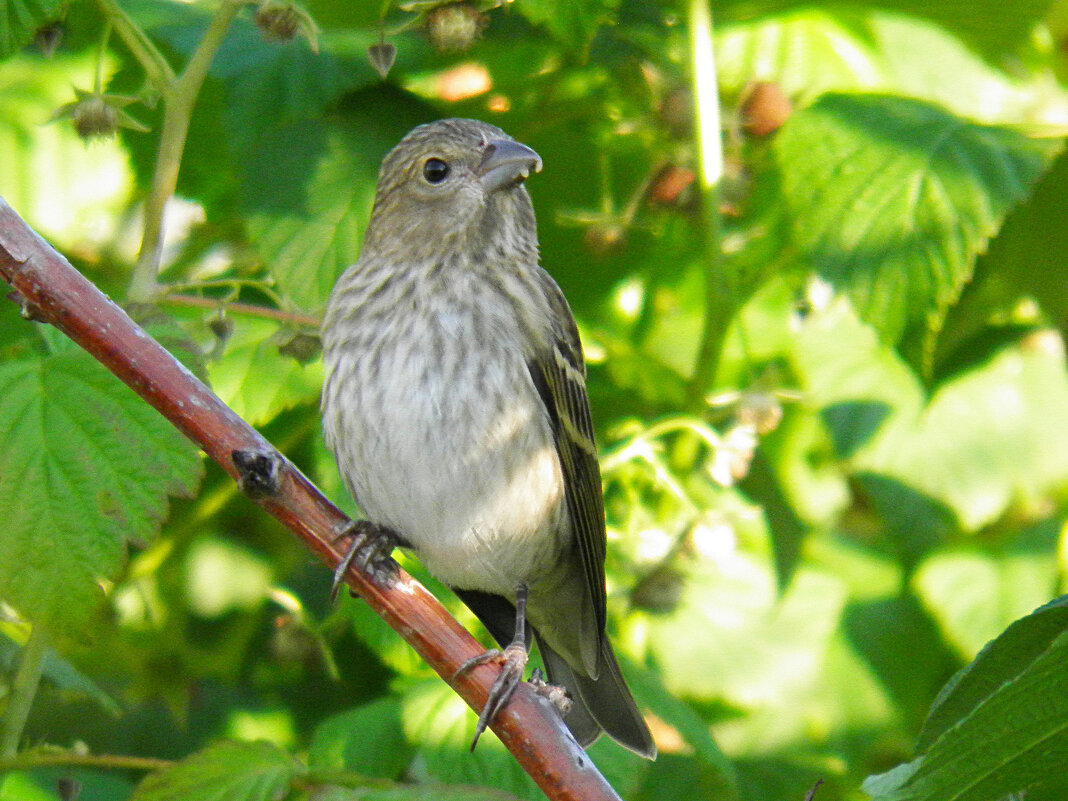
[(259, 472)]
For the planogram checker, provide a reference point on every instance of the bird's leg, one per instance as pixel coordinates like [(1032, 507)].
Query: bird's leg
[(371, 546), (513, 659)]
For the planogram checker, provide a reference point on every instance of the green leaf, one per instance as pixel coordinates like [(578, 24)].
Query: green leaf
[(974, 595), (1012, 739), (986, 438), (61, 674), (20, 19), (413, 792), (226, 771), (754, 647), (442, 725), (1001, 661), (368, 740), (573, 23), (257, 381), (892, 200), (1026, 255), (650, 694), (309, 195), (308, 189), (807, 52), (86, 466), (991, 26)]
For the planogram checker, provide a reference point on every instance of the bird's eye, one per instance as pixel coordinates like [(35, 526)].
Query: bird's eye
[(435, 171)]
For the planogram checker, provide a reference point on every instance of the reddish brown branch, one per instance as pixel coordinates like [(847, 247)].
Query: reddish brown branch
[(50, 289)]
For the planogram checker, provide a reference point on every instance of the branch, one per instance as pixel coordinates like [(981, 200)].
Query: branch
[(51, 290)]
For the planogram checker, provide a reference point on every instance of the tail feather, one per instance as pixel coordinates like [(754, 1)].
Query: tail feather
[(601, 704)]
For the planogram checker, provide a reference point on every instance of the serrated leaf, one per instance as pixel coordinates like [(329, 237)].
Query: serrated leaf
[(226, 771), (257, 381), (85, 466), (573, 23), (893, 199), (1013, 739), (309, 195), (1034, 264), (20, 19)]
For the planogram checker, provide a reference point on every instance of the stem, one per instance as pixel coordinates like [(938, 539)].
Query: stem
[(156, 67), (50, 759), (719, 303), (23, 691), (242, 308), (178, 99)]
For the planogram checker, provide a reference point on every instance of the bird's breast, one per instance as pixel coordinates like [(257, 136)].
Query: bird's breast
[(440, 434)]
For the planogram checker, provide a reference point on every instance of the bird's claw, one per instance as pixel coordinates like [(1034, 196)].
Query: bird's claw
[(371, 546), (513, 659), (556, 694)]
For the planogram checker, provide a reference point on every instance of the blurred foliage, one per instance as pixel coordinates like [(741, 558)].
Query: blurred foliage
[(807, 550)]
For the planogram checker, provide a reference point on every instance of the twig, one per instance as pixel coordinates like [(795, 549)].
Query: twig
[(51, 290), (234, 307), (50, 759), (179, 95)]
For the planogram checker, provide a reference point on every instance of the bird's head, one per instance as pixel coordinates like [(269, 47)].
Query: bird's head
[(454, 183)]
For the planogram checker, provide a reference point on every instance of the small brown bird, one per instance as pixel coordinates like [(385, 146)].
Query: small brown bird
[(456, 406)]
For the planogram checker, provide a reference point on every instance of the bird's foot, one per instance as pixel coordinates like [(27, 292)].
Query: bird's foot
[(513, 659), (557, 695), (371, 547)]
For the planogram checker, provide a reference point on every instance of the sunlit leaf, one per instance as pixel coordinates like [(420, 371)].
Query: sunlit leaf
[(982, 440), (308, 189), (975, 595), (257, 381), (893, 199)]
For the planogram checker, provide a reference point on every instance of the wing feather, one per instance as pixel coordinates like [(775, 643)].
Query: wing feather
[(559, 374)]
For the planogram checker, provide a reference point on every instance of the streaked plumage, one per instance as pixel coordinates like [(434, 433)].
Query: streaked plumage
[(455, 403)]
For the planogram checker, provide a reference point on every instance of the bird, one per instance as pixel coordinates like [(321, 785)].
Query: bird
[(455, 405)]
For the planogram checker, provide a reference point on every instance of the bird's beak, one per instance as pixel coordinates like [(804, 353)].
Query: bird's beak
[(506, 163)]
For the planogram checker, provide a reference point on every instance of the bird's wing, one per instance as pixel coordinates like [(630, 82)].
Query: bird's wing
[(559, 374)]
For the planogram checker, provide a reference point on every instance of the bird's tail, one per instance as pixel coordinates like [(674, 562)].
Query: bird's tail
[(601, 704)]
